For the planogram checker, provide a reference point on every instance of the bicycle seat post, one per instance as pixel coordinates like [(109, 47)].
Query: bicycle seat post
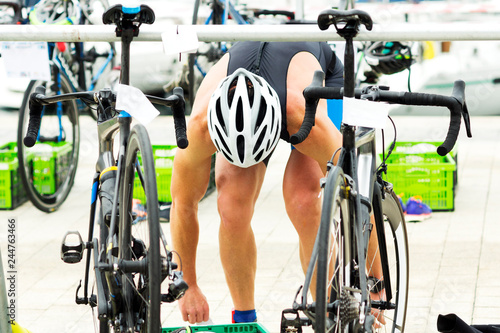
[(127, 21), (348, 32), (347, 24)]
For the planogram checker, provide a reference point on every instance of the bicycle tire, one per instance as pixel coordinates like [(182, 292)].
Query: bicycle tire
[(334, 232), (48, 185), (140, 291), (398, 261), (331, 285)]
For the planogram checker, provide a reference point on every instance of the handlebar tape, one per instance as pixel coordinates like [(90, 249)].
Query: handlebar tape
[(310, 110), (180, 119), (455, 103), (455, 119), (35, 117)]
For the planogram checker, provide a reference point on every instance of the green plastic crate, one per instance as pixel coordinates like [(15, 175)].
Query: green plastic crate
[(164, 161), (12, 192), (425, 174), (50, 165), (229, 328)]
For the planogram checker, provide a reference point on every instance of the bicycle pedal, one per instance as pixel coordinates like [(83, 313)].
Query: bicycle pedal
[(291, 322), (71, 248)]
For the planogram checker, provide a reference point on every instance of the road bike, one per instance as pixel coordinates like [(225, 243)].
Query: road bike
[(360, 261), (74, 67), (130, 254)]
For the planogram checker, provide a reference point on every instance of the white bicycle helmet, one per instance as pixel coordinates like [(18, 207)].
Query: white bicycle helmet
[(244, 118), (58, 12)]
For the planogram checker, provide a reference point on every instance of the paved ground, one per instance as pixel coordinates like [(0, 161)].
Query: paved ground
[(454, 255)]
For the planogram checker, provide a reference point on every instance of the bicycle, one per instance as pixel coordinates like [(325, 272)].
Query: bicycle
[(360, 265), (71, 64), (130, 254), (10, 12)]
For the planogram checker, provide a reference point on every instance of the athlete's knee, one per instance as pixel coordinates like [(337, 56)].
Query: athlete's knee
[(235, 212), (299, 198)]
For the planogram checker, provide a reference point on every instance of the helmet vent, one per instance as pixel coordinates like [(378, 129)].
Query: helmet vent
[(227, 157), (239, 116), (262, 113), (218, 112), (260, 139), (251, 92), (230, 91), (259, 155), (272, 121), (222, 140), (240, 143)]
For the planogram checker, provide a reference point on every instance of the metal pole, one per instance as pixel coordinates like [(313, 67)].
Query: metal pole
[(284, 33)]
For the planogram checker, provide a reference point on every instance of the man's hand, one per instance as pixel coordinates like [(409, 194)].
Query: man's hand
[(194, 306)]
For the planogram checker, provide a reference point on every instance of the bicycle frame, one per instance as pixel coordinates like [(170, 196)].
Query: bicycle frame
[(358, 161), (228, 9), (115, 263)]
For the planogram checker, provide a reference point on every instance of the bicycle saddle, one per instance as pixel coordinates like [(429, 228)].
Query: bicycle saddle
[(118, 14), (347, 22)]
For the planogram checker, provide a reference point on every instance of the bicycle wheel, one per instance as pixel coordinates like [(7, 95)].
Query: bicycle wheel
[(48, 169), (139, 237), (333, 277), (396, 247)]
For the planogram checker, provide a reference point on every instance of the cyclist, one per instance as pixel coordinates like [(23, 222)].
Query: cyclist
[(248, 100)]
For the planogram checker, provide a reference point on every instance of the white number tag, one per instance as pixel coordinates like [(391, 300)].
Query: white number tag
[(135, 103), (365, 113), (179, 39)]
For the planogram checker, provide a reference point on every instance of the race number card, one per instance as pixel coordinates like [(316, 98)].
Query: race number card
[(135, 103), (365, 113), (27, 60)]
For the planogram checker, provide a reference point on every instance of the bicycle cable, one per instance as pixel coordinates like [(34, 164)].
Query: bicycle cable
[(383, 166)]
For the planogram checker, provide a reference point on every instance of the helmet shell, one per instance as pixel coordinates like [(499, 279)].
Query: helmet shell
[(389, 57), (244, 118)]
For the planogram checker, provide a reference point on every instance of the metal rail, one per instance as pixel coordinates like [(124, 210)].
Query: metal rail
[(284, 33)]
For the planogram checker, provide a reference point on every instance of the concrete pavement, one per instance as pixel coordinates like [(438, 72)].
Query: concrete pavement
[(454, 256)]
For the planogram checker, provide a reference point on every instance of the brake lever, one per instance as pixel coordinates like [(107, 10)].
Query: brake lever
[(466, 116)]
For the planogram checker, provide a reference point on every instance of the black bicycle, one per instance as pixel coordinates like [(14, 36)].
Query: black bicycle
[(48, 173), (130, 253), (360, 260)]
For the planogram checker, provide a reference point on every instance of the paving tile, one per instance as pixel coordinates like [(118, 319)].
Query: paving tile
[(453, 256)]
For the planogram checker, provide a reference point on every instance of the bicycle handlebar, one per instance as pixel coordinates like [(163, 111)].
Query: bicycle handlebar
[(455, 103), (35, 117), (310, 113), (38, 100)]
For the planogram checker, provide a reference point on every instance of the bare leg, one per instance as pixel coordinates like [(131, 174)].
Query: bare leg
[(238, 190), (374, 269), (301, 193)]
